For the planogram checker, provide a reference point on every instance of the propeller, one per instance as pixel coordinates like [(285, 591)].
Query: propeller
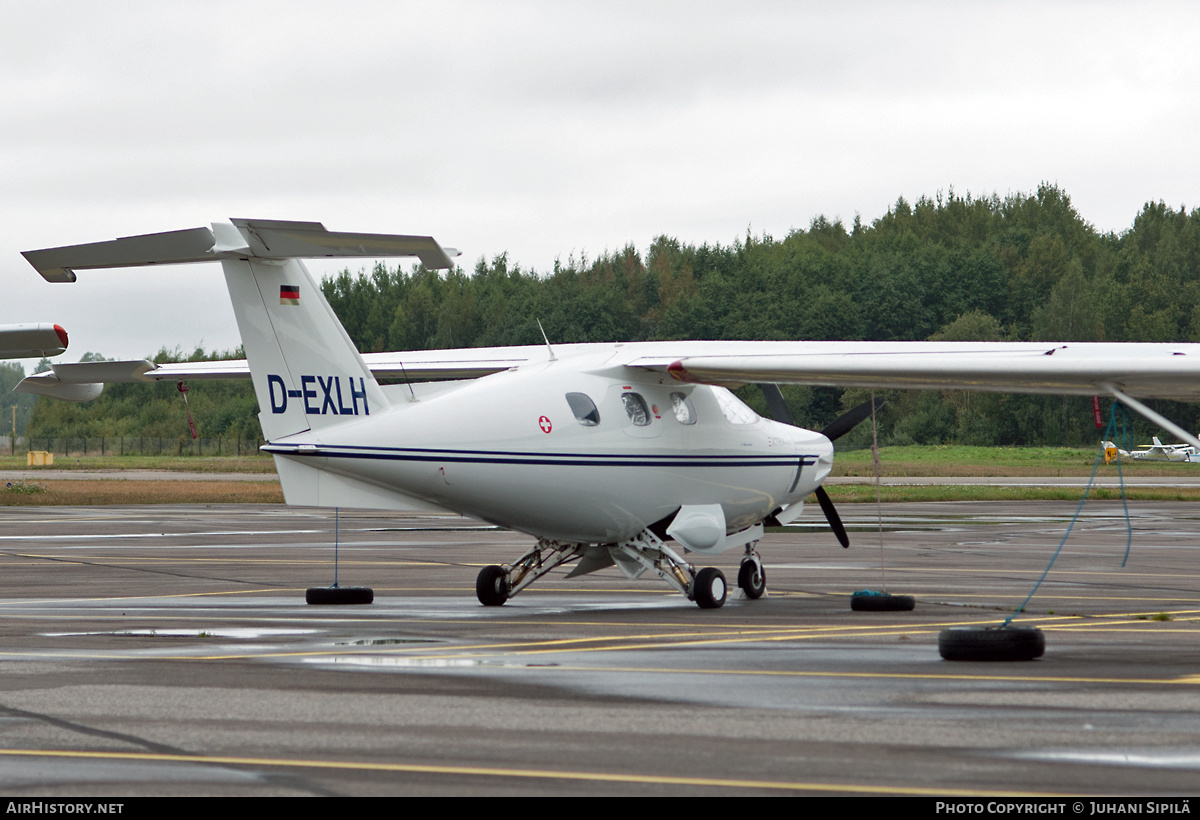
[(846, 422), (831, 515), (840, 426)]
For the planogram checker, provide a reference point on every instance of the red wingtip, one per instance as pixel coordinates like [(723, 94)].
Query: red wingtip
[(62, 334)]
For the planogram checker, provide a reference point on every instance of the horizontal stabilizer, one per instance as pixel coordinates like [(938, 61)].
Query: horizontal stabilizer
[(173, 247), (243, 239), (310, 240)]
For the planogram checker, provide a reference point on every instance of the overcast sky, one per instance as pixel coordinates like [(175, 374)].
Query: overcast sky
[(550, 128)]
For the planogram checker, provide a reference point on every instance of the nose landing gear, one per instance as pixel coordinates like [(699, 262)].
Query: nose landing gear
[(752, 577)]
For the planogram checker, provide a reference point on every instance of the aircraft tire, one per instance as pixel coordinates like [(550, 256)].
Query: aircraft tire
[(709, 588), (881, 602), (318, 596), (752, 579), (991, 643), (491, 586)]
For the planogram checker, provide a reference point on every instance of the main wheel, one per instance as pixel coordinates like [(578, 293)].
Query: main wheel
[(708, 590), (339, 595), (491, 586), (752, 578), (992, 643)]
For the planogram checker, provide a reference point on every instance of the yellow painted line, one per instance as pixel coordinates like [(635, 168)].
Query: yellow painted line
[(1115, 573), (559, 646), (535, 774), (1186, 679)]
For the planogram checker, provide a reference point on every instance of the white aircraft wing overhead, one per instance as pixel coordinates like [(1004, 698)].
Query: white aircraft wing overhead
[(31, 341), (1120, 370), (419, 365), (1135, 369)]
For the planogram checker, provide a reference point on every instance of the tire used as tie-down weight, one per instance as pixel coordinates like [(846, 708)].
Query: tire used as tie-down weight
[(871, 601), (991, 643), (339, 595)]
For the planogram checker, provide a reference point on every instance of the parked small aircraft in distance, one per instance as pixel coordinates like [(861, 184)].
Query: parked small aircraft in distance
[(1153, 452), (31, 341), (626, 454)]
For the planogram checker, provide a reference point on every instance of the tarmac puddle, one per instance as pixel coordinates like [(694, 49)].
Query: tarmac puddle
[(1147, 758), (387, 641), (389, 662), (233, 632)]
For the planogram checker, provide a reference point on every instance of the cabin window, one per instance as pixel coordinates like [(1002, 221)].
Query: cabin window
[(685, 411), (636, 409), (584, 409), (736, 412)]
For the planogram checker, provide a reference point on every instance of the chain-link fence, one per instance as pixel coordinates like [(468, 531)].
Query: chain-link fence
[(136, 445)]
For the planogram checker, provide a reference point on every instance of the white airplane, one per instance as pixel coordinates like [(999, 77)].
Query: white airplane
[(1152, 452), (626, 454), (1162, 452), (31, 341)]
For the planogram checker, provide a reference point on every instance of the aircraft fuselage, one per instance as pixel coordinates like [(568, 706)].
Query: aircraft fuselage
[(514, 450)]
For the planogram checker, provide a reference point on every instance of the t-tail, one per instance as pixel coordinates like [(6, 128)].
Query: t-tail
[(307, 373)]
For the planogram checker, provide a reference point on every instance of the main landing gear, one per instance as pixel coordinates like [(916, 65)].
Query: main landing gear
[(645, 552)]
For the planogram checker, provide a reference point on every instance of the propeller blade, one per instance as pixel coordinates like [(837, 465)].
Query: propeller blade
[(831, 515), (846, 422), (775, 403)]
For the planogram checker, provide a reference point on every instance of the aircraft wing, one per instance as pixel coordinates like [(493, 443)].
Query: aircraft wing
[(31, 341), (84, 381), (1149, 370), (1136, 369), (1120, 370)]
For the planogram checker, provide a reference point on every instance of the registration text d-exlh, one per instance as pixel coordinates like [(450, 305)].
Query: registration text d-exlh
[(321, 395)]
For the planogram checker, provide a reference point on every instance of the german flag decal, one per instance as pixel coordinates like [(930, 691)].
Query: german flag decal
[(289, 294)]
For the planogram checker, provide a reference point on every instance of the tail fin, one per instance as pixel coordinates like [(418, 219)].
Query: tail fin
[(307, 373)]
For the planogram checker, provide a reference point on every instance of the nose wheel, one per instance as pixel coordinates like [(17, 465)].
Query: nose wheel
[(752, 578)]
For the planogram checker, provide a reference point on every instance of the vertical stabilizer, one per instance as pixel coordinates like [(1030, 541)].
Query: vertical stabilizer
[(307, 373)]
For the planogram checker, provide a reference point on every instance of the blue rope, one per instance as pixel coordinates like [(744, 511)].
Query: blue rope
[(1121, 476), (1109, 434)]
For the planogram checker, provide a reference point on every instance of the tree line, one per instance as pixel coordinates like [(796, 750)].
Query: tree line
[(952, 267)]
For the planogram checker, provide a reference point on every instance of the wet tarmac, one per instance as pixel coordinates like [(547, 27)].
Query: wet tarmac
[(168, 650)]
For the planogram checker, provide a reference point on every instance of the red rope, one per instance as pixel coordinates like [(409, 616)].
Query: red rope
[(183, 391)]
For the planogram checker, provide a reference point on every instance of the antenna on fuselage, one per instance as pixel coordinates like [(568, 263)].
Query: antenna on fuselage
[(553, 358)]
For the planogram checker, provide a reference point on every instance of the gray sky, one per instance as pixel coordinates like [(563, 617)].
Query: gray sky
[(550, 128)]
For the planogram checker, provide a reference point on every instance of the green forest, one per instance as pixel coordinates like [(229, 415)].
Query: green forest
[(951, 267)]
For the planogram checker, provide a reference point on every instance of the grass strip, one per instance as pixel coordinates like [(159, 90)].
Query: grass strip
[(116, 491)]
